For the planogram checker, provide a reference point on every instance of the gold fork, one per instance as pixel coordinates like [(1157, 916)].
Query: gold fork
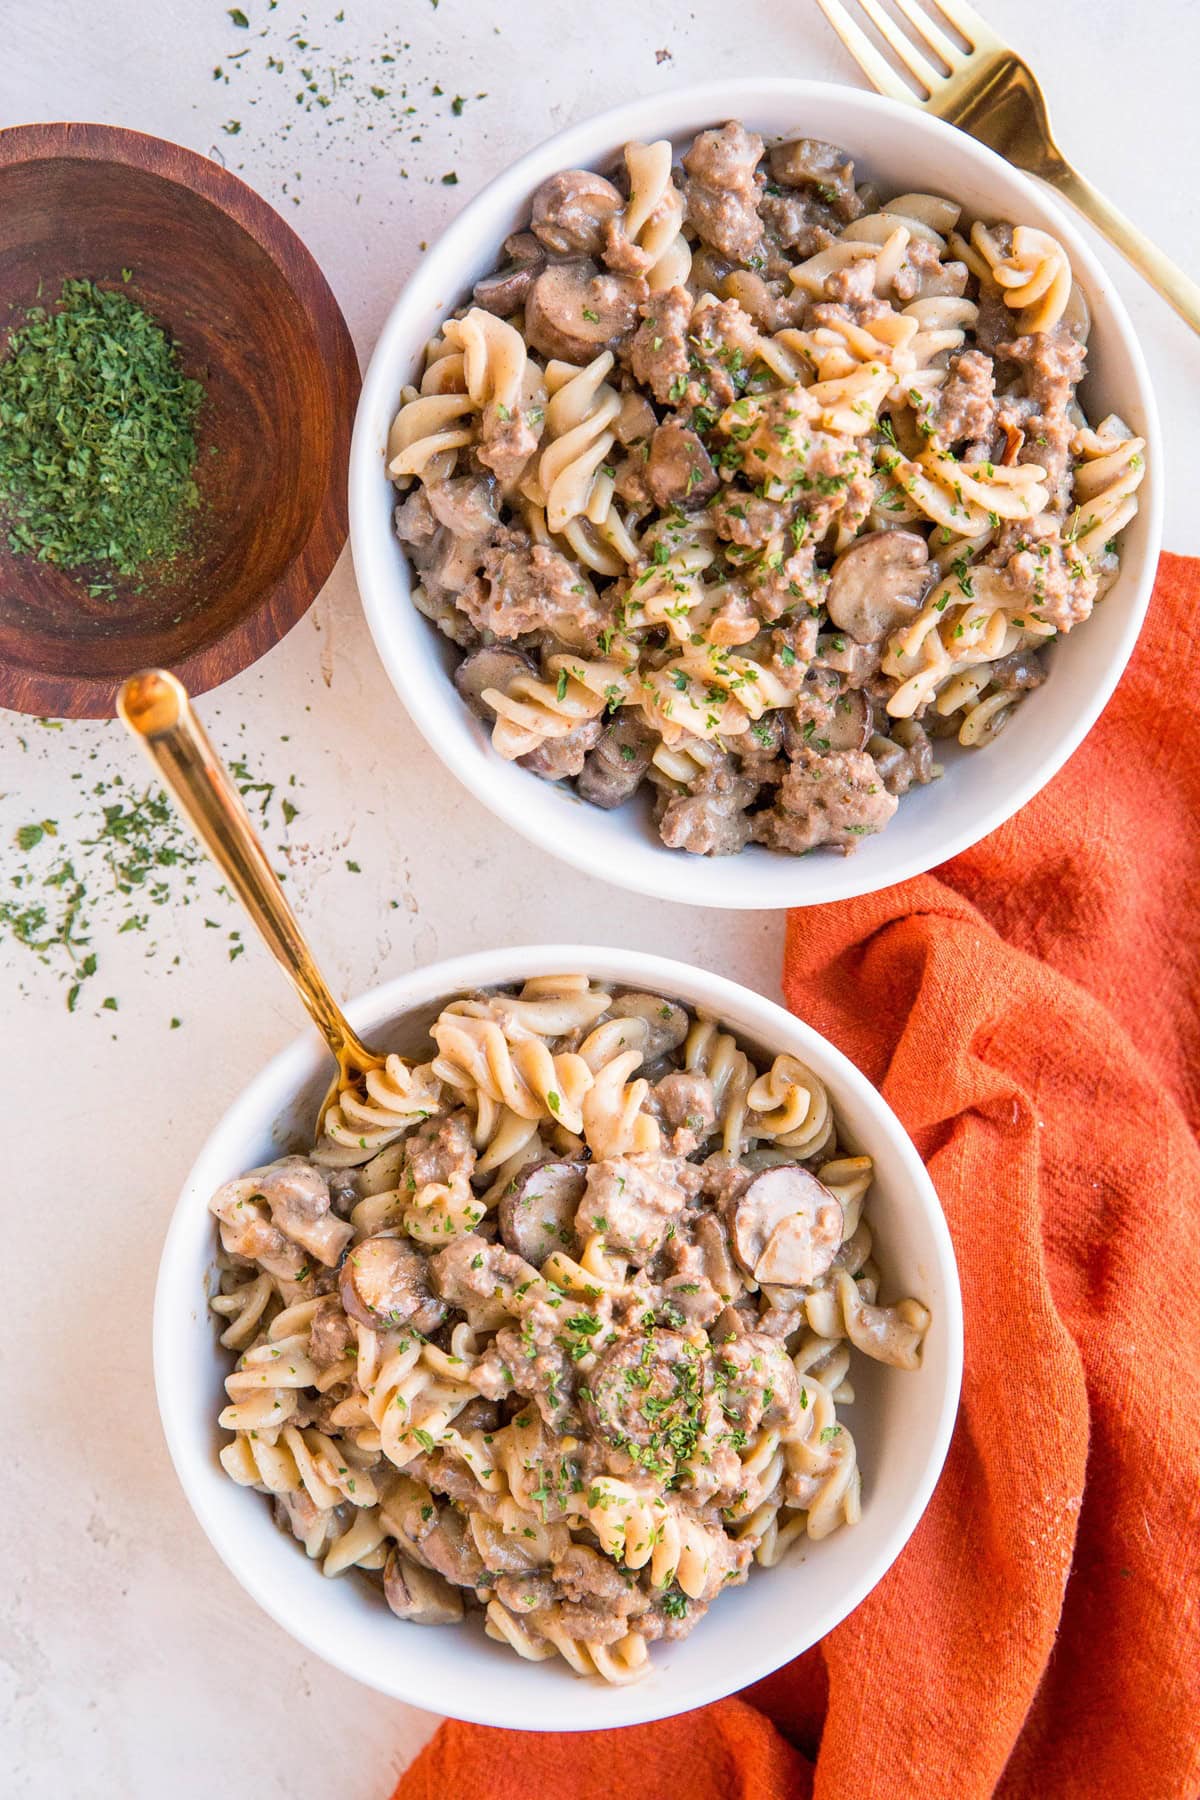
[(994, 96), (156, 709)]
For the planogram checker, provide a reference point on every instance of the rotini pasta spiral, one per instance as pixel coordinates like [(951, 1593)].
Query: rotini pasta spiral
[(525, 1075), (362, 1545), (1112, 467), (427, 433), (296, 1461), (596, 1270), (821, 1460), (531, 711), (616, 1664), (642, 1529), (653, 217), (390, 1101), (890, 1334), (244, 1306), (791, 1107), (408, 1400), (281, 1217), (883, 238), (833, 351), (442, 1209), (947, 650), (550, 1006), (494, 358), (613, 1121), (707, 691), (964, 498), (1034, 276), (715, 1053), (579, 415), (687, 758)]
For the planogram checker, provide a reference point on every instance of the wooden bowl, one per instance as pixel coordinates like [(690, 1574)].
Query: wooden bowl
[(258, 325)]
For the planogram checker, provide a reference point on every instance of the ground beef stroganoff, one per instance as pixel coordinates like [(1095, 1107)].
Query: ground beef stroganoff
[(740, 481), (559, 1324)]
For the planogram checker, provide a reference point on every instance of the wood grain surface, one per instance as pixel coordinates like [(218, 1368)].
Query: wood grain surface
[(257, 324)]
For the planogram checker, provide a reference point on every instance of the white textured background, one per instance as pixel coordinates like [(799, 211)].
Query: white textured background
[(130, 1664)]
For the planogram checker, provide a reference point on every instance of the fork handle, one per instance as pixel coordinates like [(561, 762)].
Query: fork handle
[(155, 707), (1175, 287)]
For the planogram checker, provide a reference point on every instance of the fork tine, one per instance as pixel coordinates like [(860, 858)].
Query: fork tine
[(927, 27), (977, 31), (902, 47), (875, 67)]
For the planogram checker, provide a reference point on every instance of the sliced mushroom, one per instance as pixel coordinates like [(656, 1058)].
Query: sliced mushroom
[(407, 1511), (850, 721), (636, 419), (385, 1281), (708, 271), (846, 663), (522, 246), (506, 291), (668, 1023), (734, 1322), (911, 735), (537, 1214), (345, 1191), (891, 760), (787, 1227), (646, 1390), (769, 309), (297, 1195), (1077, 318), (615, 767), (878, 583), (571, 210), (679, 471), (713, 1241), (811, 162), (493, 667), (1020, 669), (512, 1553), (763, 741), (527, 1595), (450, 1549), (561, 758), (419, 1595), (574, 312)]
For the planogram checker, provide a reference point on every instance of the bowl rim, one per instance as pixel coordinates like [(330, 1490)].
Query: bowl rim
[(673, 876), (284, 603), (189, 1441)]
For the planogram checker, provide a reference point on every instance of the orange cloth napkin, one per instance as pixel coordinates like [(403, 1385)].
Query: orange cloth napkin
[(1031, 1013)]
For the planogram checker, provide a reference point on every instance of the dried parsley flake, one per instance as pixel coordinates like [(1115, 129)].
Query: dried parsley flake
[(97, 442)]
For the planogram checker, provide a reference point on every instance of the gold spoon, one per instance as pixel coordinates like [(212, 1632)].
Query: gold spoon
[(155, 707)]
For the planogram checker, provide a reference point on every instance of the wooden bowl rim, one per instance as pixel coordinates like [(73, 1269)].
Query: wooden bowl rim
[(283, 604)]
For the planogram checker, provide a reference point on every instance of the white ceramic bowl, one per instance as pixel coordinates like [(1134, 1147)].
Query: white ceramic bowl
[(902, 150), (901, 1421)]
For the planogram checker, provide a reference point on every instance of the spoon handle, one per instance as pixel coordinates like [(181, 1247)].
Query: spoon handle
[(155, 707)]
